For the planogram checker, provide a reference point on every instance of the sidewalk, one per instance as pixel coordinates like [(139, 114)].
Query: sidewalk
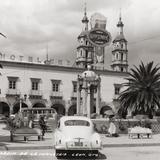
[(47, 143)]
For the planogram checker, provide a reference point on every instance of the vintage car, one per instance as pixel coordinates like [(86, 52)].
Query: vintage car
[(75, 137)]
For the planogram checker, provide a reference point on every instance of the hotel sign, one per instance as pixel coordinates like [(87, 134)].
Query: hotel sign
[(99, 37)]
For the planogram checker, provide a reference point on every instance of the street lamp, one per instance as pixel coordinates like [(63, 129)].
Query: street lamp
[(88, 81), (21, 99)]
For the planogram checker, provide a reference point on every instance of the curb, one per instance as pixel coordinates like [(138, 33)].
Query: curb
[(29, 148), (3, 148), (131, 145), (104, 146)]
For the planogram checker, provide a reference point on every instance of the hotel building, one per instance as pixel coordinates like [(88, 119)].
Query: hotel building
[(29, 84)]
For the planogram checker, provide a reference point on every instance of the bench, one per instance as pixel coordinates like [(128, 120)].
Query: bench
[(26, 133), (139, 132), (140, 135)]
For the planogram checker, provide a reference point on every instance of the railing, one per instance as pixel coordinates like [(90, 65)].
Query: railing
[(35, 93), (13, 92), (119, 62), (56, 94)]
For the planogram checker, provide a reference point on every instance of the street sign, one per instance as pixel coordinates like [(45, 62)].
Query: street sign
[(99, 37)]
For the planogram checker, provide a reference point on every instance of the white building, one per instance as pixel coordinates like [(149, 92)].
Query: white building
[(46, 85)]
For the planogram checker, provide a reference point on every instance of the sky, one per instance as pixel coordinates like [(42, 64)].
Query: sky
[(37, 27)]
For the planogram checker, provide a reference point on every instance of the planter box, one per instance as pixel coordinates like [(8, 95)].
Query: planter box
[(140, 116)]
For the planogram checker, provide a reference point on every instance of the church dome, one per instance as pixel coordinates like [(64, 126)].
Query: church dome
[(120, 37), (83, 34)]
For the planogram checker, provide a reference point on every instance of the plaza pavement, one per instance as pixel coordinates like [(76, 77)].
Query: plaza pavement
[(47, 143)]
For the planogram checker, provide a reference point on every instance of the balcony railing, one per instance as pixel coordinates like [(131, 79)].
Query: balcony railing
[(13, 92), (35, 93), (56, 94)]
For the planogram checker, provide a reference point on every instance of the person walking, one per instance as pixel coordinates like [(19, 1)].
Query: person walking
[(42, 125), (112, 129)]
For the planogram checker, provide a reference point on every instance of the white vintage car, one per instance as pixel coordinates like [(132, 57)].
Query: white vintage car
[(75, 137)]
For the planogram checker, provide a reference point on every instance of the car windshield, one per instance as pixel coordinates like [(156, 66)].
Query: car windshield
[(76, 123)]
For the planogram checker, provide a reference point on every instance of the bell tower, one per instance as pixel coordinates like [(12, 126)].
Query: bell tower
[(119, 51), (84, 49)]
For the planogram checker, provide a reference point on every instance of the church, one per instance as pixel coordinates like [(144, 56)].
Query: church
[(26, 84)]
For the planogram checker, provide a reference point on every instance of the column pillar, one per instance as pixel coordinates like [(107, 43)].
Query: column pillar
[(78, 98), (91, 98), (98, 99), (20, 105), (67, 104), (11, 109), (89, 102), (85, 95)]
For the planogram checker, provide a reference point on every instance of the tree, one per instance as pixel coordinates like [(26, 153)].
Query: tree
[(142, 95)]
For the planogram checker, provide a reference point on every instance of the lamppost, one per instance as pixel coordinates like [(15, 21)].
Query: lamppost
[(88, 82), (21, 99)]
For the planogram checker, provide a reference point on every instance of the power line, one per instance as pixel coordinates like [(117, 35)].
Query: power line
[(145, 39)]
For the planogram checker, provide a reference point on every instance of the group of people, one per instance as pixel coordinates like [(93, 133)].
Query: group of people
[(18, 121), (41, 122)]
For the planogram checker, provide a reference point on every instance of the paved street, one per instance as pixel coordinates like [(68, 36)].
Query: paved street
[(120, 148), (120, 153)]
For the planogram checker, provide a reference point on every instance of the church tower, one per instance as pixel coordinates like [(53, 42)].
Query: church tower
[(119, 51), (84, 49)]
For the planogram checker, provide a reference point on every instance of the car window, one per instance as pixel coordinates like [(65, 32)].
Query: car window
[(76, 123)]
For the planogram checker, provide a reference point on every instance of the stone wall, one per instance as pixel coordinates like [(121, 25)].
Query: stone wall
[(122, 125)]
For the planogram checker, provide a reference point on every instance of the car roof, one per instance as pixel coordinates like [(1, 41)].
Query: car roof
[(64, 118)]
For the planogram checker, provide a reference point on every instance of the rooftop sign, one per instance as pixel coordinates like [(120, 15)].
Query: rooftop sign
[(99, 37)]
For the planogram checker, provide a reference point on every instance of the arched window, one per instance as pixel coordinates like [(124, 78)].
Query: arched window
[(117, 55), (81, 53), (121, 56), (122, 45), (122, 69)]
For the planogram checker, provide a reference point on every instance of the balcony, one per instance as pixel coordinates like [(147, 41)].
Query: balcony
[(74, 96), (35, 94), (56, 95), (12, 92)]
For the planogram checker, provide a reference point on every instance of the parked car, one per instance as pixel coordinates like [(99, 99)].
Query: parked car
[(75, 137)]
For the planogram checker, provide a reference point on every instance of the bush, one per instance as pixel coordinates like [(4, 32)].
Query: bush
[(158, 112)]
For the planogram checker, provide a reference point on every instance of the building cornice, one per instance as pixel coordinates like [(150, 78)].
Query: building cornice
[(25, 65)]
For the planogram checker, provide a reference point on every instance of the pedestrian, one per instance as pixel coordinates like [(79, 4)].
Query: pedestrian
[(112, 129), (42, 125)]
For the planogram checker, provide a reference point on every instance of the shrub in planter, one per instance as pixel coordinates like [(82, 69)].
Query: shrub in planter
[(147, 124), (158, 113), (104, 129)]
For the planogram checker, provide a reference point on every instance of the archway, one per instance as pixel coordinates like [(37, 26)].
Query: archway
[(4, 109), (105, 108), (16, 107), (72, 110), (60, 109), (38, 105)]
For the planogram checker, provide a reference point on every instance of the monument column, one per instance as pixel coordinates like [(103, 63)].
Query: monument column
[(98, 99), (89, 102), (78, 98), (85, 96)]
